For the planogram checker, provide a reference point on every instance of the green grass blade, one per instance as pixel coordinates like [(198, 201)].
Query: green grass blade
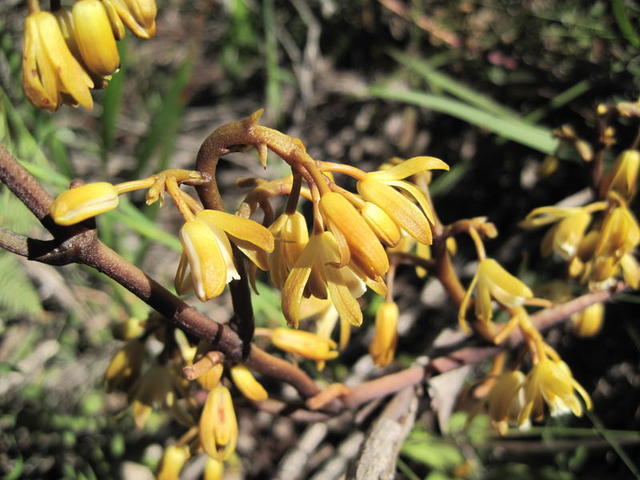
[(535, 137), (624, 24), (559, 100), (444, 82)]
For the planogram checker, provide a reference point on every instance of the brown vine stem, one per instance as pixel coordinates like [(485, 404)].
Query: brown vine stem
[(80, 244)]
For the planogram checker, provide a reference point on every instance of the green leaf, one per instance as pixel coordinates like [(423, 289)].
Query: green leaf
[(624, 24), (532, 136), (422, 447), (444, 82)]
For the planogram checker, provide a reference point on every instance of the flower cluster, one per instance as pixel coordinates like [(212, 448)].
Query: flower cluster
[(72, 50)]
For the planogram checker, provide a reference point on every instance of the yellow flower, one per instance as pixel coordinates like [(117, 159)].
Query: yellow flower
[(551, 381), (318, 268), (125, 365), (506, 399), (50, 73), (619, 234), (207, 246), (588, 322), (492, 282), (85, 201), (94, 37), (218, 426), (565, 236), (381, 188), (173, 460), (345, 222), (158, 387), (305, 344), (623, 178), (247, 384), (138, 15), (290, 237), (383, 345), (213, 469)]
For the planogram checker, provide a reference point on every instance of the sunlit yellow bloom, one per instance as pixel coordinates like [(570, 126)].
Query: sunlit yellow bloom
[(624, 176), (385, 228), (173, 460), (492, 282), (565, 236), (247, 384), (383, 345), (364, 248), (290, 237), (619, 234), (158, 387), (50, 73), (381, 188), (213, 469), (506, 400), (326, 319), (630, 270), (85, 201), (551, 382), (218, 427), (305, 344), (206, 243), (138, 15), (588, 322), (319, 267), (125, 365)]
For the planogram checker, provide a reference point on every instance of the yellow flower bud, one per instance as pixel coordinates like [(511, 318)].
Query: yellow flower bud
[(247, 384), (630, 270), (173, 460), (131, 328), (94, 37), (383, 345), (305, 344), (213, 469), (588, 322), (218, 427), (49, 70), (85, 201)]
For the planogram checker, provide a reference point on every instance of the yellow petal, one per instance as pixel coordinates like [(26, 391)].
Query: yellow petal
[(39, 85), (130, 20), (213, 469), (242, 228), (545, 215), (341, 297), (410, 167), (85, 201), (182, 280), (295, 283), (173, 460), (114, 19), (305, 344), (382, 224), (247, 384), (505, 288)]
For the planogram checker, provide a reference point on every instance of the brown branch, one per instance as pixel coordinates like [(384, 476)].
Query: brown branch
[(80, 244)]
